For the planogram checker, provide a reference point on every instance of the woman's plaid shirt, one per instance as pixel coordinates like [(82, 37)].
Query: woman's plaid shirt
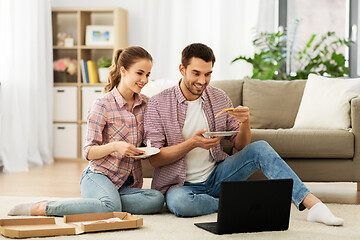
[(109, 121)]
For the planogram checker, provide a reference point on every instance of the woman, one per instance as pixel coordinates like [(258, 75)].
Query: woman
[(113, 179)]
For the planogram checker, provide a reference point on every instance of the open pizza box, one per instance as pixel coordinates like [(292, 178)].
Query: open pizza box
[(72, 224)]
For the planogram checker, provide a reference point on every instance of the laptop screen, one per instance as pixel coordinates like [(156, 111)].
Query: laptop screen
[(254, 205)]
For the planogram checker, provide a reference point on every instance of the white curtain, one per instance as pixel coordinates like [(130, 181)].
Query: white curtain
[(227, 26), (26, 84)]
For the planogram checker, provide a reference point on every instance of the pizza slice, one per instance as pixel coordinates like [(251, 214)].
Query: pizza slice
[(224, 110)]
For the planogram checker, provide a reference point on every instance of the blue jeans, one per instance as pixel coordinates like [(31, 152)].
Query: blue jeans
[(196, 199), (101, 195)]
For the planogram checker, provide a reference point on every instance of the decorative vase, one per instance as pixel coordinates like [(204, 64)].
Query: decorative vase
[(64, 77)]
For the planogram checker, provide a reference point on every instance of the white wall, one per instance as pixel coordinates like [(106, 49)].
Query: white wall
[(229, 37), (1, 164)]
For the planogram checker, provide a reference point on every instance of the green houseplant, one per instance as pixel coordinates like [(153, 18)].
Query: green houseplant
[(319, 55), (103, 64)]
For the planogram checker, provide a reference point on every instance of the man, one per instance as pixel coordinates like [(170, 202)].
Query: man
[(190, 167)]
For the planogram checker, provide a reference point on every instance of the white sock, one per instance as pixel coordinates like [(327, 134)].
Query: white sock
[(322, 214), (22, 209)]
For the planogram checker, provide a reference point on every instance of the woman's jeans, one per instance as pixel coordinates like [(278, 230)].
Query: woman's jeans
[(195, 199), (101, 195)]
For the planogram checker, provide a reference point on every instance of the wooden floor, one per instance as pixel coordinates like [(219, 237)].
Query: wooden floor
[(61, 179)]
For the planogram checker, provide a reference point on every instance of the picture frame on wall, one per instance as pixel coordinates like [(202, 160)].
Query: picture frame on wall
[(99, 35)]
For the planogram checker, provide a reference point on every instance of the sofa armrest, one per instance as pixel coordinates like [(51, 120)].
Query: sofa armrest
[(355, 116), (355, 124)]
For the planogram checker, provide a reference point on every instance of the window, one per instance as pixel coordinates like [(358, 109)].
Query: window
[(321, 16)]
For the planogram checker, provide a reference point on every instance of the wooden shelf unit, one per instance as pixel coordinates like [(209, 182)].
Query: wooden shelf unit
[(73, 21)]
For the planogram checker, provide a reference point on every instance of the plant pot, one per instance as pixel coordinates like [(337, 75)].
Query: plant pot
[(103, 74)]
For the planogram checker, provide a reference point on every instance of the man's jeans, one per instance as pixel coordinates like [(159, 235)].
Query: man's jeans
[(195, 199), (101, 195)]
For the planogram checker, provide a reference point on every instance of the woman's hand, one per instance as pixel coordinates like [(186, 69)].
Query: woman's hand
[(126, 149)]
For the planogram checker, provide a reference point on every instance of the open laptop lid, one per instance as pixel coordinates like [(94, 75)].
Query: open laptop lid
[(254, 205)]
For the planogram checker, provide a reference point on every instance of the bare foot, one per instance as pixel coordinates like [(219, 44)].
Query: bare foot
[(38, 209)]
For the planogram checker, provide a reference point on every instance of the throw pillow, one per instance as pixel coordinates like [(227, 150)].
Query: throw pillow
[(273, 104), (326, 103), (154, 87)]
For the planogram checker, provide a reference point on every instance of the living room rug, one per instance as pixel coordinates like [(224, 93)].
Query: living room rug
[(168, 227)]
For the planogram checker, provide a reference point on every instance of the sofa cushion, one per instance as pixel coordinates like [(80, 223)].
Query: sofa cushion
[(308, 143), (233, 88), (273, 104)]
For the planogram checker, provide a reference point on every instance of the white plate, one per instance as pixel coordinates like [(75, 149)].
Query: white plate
[(149, 151), (219, 134)]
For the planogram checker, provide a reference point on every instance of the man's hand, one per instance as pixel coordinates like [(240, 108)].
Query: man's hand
[(242, 114), (202, 142)]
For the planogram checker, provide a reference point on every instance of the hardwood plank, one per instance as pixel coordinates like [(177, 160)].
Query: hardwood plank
[(61, 179)]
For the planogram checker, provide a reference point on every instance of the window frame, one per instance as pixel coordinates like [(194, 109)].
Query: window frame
[(353, 35)]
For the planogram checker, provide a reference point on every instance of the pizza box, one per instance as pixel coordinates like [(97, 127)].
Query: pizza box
[(71, 225)]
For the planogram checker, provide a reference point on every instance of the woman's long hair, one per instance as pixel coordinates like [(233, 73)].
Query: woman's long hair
[(124, 58)]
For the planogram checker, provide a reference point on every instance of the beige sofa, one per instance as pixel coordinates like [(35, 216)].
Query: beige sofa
[(314, 154)]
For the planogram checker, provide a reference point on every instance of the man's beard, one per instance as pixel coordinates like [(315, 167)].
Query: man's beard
[(191, 91)]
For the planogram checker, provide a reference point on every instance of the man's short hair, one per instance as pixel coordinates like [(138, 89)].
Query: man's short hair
[(197, 50)]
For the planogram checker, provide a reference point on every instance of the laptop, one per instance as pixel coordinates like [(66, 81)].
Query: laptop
[(252, 206)]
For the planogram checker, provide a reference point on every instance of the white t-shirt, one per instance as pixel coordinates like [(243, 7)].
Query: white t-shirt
[(199, 161)]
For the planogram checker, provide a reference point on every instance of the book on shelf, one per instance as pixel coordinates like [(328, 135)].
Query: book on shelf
[(92, 70), (84, 71)]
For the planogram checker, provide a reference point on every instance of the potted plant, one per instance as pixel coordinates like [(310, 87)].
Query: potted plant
[(277, 56), (103, 68)]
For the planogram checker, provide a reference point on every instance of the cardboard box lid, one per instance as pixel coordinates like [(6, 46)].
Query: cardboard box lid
[(31, 227), (46, 226)]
